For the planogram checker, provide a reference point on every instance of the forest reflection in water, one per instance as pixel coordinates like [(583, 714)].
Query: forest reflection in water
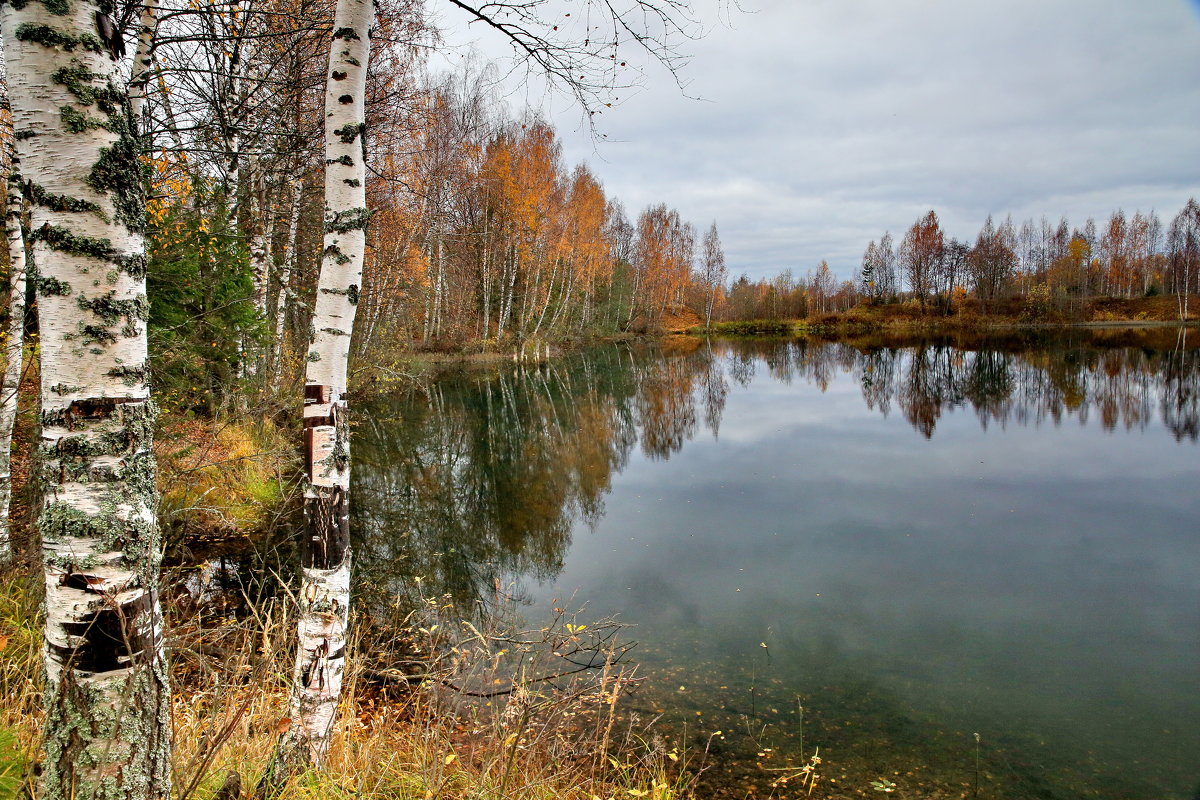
[(485, 473), (486, 476)]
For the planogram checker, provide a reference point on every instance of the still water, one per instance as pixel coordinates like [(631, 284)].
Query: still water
[(880, 549)]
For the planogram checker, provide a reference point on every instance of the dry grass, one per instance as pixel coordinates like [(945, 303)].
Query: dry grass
[(398, 736), (477, 722)]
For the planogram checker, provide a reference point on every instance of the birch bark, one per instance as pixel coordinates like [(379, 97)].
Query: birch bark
[(283, 297), (107, 733), (14, 345), (325, 583), (143, 61)]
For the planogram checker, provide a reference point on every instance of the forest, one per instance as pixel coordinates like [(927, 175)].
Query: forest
[(1037, 270)]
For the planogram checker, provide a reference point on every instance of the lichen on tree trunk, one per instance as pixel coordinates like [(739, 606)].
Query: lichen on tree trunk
[(108, 725)]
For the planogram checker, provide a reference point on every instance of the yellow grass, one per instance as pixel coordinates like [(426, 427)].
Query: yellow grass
[(417, 742)]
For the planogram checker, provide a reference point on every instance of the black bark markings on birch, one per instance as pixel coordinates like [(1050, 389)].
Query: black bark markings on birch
[(62, 240), (112, 638), (330, 540), (71, 754), (35, 193), (328, 507)]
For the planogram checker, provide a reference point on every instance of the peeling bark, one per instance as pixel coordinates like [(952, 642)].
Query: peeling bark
[(107, 733), (325, 583)]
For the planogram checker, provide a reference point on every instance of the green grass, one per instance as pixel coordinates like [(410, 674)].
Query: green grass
[(12, 764)]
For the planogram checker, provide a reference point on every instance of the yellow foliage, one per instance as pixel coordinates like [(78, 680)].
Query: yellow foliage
[(220, 481)]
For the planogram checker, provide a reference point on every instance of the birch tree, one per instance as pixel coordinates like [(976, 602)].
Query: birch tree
[(325, 585), (712, 270), (920, 252), (1184, 239), (107, 731), (325, 582), (14, 344)]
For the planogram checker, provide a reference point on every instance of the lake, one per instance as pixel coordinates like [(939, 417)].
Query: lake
[(958, 567)]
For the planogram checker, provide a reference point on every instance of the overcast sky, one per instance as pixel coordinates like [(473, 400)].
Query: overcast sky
[(822, 123)]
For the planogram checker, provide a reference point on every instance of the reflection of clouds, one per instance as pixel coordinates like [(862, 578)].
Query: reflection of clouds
[(1041, 580), (475, 479)]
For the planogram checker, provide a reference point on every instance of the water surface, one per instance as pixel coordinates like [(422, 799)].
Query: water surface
[(879, 548)]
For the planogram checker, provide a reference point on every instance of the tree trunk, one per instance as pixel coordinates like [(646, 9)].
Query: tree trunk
[(283, 295), (108, 727), (14, 346), (143, 61), (325, 587), (262, 217)]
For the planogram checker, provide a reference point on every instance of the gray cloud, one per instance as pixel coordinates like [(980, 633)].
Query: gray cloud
[(824, 122)]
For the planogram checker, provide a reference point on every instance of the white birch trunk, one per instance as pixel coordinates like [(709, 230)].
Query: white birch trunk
[(486, 275), (431, 300), (527, 296), (439, 286), (143, 60), (14, 345), (325, 587), (108, 728), (505, 293), (260, 211), (564, 302), (262, 217), (549, 296), (283, 296)]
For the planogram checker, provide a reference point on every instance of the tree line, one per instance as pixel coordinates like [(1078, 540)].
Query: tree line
[(1054, 266)]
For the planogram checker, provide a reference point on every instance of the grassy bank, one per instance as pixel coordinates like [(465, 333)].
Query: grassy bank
[(430, 709), (968, 315)]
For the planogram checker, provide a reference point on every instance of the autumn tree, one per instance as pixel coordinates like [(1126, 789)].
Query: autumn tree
[(662, 259), (991, 263), (584, 251), (885, 273), (1184, 243), (869, 272), (821, 286), (1114, 255), (920, 255), (951, 272)]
